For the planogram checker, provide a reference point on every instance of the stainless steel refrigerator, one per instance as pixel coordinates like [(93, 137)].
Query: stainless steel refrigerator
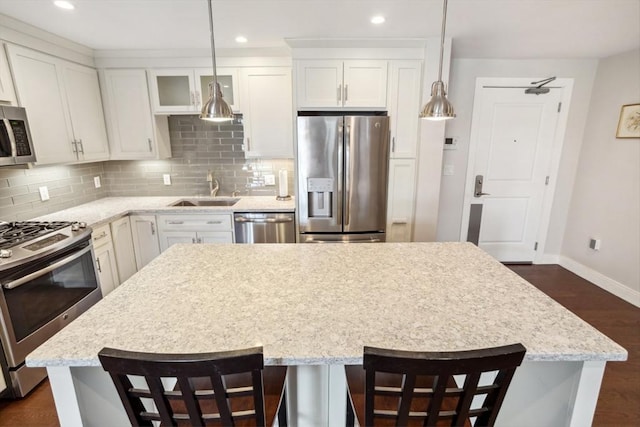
[(343, 168)]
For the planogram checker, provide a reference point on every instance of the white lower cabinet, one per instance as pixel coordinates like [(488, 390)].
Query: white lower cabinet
[(214, 228), (105, 259), (146, 245), (123, 245), (401, 197)]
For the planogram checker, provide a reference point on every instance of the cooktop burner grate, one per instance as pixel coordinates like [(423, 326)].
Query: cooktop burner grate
[(15, 233)]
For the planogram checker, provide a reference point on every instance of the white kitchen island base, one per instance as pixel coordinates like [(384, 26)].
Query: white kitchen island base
[(541, 394)]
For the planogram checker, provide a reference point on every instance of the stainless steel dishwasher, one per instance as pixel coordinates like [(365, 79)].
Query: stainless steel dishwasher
[(264, 227)]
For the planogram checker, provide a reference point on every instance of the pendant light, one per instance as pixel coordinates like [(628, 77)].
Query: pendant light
[(439, 107), (216, 108)]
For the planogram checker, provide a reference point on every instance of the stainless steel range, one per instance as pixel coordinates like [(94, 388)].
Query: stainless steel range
[(47, 279)]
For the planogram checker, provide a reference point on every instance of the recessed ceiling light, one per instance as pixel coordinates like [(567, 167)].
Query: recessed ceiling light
[(62, 4), (241, 39), (377, 19)]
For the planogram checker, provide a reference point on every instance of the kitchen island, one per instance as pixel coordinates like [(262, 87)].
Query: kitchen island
[(314, 307)]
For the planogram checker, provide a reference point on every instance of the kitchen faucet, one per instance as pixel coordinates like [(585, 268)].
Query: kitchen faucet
[(214, 185)]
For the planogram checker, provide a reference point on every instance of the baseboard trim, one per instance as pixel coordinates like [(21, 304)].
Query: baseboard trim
[(547, 259), (599, 279)]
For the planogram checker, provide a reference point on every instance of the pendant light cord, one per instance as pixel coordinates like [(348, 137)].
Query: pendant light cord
[(213, 49), (444, 23)]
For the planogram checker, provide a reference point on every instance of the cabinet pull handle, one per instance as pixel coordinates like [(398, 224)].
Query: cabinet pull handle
[(198, 102), (193, 240), (101, 236), (98, 264), (149, 142), (199, 240), (153, 228), (175, 222), (346, 93), (393, 144), (81, 146), (214, 222), (74, 147), (339, 94), (193, 98), (248, 144)]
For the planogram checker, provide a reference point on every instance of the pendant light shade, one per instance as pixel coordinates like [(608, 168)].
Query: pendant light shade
[(439, 107), (216, 108)]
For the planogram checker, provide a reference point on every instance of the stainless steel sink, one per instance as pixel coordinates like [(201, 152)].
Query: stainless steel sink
[(205, 202)]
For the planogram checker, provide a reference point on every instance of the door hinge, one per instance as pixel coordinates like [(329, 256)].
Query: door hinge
[(535, 247), (546, 181), (559, 106)]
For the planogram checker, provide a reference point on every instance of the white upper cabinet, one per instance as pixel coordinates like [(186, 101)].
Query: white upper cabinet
[(267, 107), (134, 133), (63, 104), (404, 107), (87, 115), (341, 84), (185, 90), (7, 92)]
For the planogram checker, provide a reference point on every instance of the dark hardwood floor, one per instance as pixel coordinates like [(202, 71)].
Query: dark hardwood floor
[(619, 402)]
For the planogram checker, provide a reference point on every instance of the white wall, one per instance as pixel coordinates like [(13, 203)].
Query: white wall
[(606, 195), (463, 78)]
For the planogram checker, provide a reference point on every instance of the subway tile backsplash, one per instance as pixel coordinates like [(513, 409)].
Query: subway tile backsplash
[(197, 147), (68, 186)]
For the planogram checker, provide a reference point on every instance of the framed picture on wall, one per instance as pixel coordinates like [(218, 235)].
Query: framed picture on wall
[(629, 123)]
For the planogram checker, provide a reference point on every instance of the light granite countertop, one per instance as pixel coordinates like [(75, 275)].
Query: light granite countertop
[(320, 304), (110, 208)]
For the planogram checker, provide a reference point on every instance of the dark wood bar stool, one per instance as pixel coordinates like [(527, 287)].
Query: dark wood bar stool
[(231, 388), (403, 388)]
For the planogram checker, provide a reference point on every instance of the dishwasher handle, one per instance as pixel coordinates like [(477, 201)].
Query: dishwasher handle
[(264, 220)]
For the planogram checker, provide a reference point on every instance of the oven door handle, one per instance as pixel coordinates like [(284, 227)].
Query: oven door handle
[(35, 275)]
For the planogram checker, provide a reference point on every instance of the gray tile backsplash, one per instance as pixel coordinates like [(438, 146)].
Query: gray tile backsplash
[(197, 147), (68, 186)]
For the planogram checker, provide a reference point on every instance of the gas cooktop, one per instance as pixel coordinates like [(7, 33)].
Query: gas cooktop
[(23, 241), (15, 233)]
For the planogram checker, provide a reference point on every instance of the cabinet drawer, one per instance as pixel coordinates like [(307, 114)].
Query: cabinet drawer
[(101, 235), (213, 222)]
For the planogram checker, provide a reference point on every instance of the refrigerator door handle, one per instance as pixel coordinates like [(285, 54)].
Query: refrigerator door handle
[(347, 172), (340, 198)]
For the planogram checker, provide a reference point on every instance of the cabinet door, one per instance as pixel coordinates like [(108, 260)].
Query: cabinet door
[(228, 79), (168, 238), (7, 93), (319, 83), (402, 176), (365, 84), (131, 129), (40, 89), (173, 91), (85, 108), (267, 112), (215, 237), (145, 239), (106, 268), (123, 245), (404, 106)]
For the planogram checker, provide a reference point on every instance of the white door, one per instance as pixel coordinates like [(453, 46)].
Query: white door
[(123, 246), (319, 83), (365, 84), (145, 239), (400, 206), (106, 266), (514, 138)]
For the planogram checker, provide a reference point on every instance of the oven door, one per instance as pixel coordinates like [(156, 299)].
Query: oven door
[(39, 299)]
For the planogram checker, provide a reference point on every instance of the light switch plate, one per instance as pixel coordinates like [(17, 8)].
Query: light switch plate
[(166, 178), (269, 179), (96, 181), (44, 193)]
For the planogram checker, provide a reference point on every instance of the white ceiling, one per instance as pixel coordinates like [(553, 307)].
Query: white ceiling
[(479, 28)]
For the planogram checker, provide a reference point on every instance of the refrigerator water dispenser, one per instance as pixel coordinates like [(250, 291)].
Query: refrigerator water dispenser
[(320, 196)]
